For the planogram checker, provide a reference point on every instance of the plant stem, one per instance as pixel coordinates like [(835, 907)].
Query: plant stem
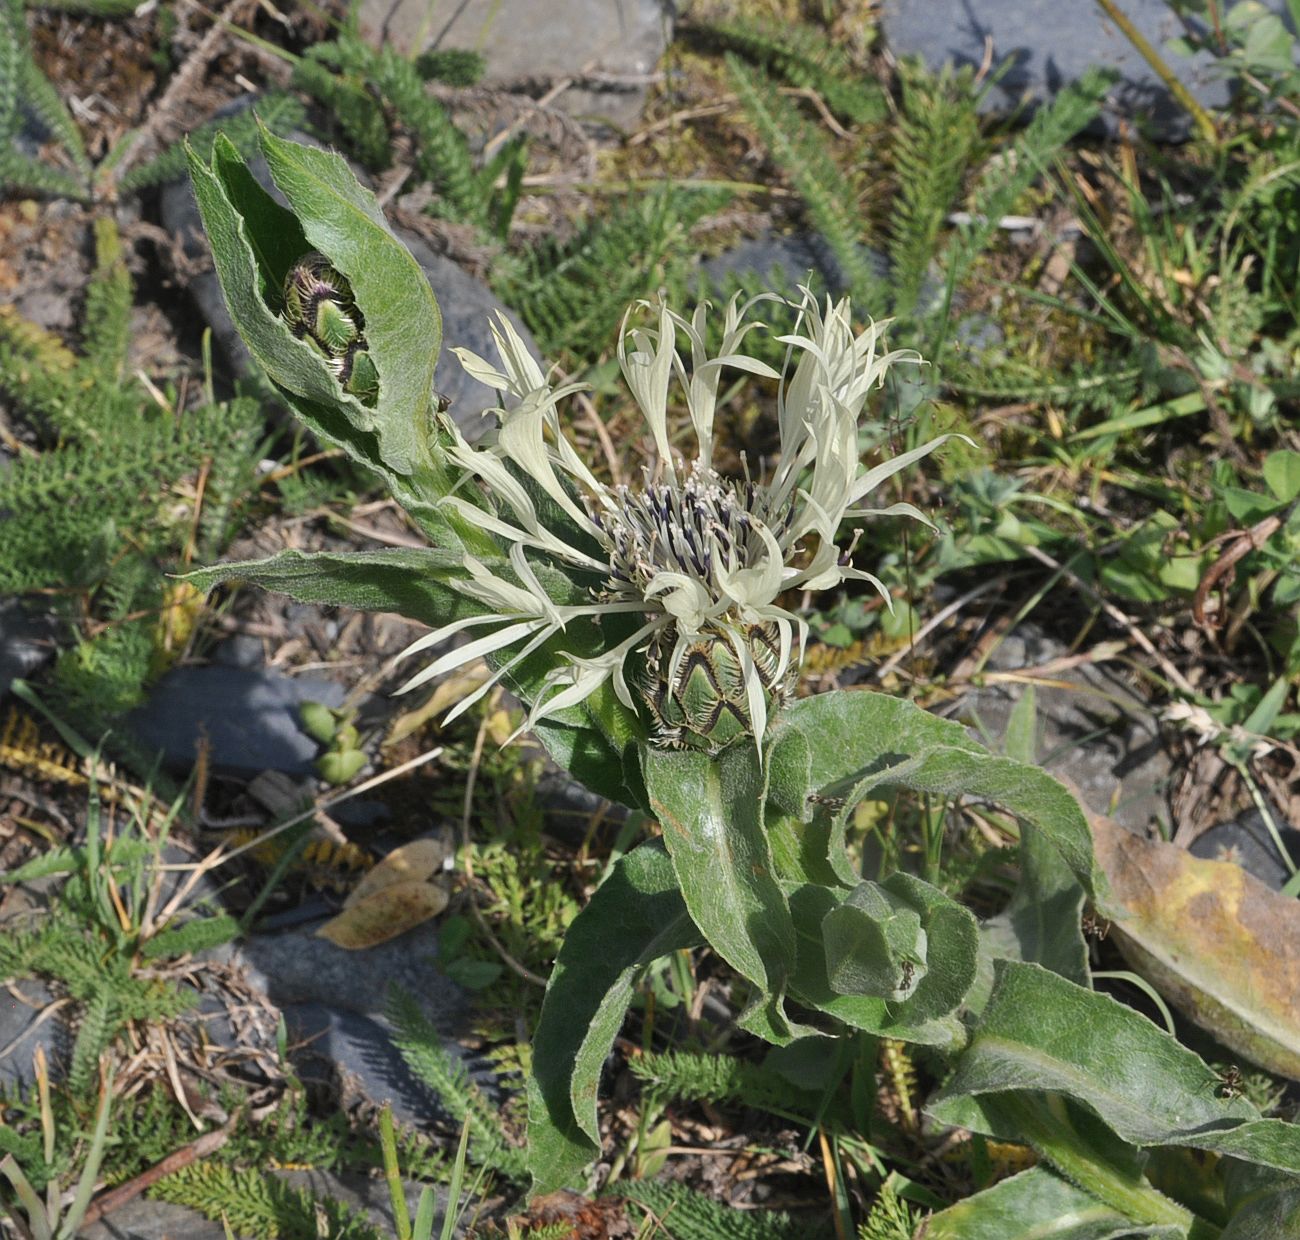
[(1203, 120), (1046, 1125)]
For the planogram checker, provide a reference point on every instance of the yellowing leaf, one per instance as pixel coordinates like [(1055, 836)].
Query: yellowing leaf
[(417, 861), (384, 914), (1222, 946)]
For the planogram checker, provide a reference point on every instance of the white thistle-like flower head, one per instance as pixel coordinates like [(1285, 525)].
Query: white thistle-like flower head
[(700, 558)]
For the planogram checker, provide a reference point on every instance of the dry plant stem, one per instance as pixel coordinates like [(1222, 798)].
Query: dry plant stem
[(219, 855), (1172, 674), (116, 1198), (1148, 53), (46, 1012), (471, 779), (933, 623), (1247, 541), (602, 434), (728, 102), (182, 84)]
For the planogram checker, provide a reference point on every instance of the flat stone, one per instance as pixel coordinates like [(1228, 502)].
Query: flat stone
[(145, 1219), (1097, 733), (1247, 842), (1051, 43), (249, 716), (365, 1196), (467, 304), (611, 46), (360, 1051), (26, 641), (299, 967), (781, 262), (21, 1035), (572, 810), (335, 1005)]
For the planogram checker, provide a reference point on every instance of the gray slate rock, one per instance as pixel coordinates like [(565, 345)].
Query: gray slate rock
[(783, 262), (1051, 43), (1099, 734), (612, 46), (20, 1035), (26, 641), (360, 1051), (299, 968), (248, 715), (1248, 843), (467, 304), (143, 1219), (334, 1005)]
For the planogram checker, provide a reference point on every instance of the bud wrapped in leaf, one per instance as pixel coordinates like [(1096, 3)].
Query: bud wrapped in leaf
[(703, 701), (319, 307)]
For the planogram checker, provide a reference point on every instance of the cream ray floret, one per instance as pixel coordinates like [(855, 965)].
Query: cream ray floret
[(701, 557)]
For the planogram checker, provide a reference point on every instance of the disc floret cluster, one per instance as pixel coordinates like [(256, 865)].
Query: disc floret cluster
[(703, 561)]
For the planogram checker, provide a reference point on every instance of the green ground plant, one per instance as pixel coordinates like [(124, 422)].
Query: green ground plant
[(752, 860), (121, 446)]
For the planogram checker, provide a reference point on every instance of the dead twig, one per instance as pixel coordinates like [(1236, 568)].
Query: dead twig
[(1225, 566), (116, 1198), (1172, 674)]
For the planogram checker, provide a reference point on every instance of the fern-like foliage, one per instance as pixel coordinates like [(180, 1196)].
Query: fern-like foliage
[(1028, 158), (255, 1204), (693, 1077), (24, 90), (572, 296), (452, 65), (800, 149), (425, 1055), (94, 1035), (684, 1214), (442, 155), (121, 455), (934, 142), (351, 105), (47, 106), (106, 322), (891, 1218), (74, 955), (805, 57), (279, 111)]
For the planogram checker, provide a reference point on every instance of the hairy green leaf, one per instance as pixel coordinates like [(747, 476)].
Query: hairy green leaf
[(404, 326), (711, 811), (1037, 1205), (635, 916), (1041, 923), (1042, 1032)]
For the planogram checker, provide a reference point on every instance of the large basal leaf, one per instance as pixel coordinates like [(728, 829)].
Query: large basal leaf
[(858, 741), (1221, 945), (1040, 1032), (711, 812), (1037, 1205), (1040, 924), (635, 916), (1272, 1214), (254, 243)]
